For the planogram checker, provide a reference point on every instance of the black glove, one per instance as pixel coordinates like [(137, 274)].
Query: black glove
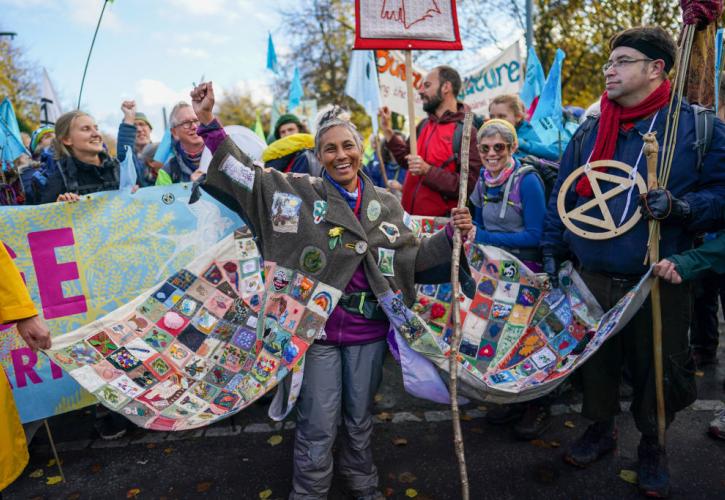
[(551, 266), (659, 204)]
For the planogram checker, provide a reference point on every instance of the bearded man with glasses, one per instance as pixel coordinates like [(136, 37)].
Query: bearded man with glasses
[(636, 101)]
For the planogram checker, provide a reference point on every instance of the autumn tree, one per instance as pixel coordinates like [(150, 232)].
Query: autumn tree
[(18, 82), (238, 107)]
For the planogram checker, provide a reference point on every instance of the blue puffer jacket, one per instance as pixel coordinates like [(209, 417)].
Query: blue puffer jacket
[(530, 144), (703, 189)]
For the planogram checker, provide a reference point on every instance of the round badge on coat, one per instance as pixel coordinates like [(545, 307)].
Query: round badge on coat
[(312, 259), (373, 210), (361, 247)]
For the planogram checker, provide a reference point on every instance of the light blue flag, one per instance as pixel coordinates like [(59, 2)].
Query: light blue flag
[(295, 91), (163, 152), (534, 82), (11, 144), (128, 176), (547, 120), (362, 83), (718, 65), (271, 55)]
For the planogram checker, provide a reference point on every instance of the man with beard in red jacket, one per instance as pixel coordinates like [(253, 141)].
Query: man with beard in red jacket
[(431, 185)]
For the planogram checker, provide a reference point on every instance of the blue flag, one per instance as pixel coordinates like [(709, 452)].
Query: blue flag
[(163, 152), (271, 55), (11, 144), (362, 83), (534, 82), (718, 65), (295, 91), (547, 120)]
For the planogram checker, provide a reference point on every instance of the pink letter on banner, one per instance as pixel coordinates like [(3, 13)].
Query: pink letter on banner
[(24, 360), (51, 274)]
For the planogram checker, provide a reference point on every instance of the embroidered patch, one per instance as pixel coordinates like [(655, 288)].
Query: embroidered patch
[(319, 210), (285, 212), (312, 259), (373, 210), (238, 172), (386, 261), (391, 231)]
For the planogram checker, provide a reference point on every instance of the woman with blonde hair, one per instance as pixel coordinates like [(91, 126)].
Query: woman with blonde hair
[(511, 108)]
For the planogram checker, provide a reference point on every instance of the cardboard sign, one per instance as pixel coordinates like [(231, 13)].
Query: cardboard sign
[(407, 24), (392, 74)]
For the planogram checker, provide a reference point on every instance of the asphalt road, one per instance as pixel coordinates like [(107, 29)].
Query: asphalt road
[(412, 447)]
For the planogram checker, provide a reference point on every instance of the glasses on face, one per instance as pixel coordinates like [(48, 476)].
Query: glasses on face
[(621, 62), (186, 125), (499, 147)]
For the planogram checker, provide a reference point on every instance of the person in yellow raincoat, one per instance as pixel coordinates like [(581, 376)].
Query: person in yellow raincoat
[(15, 306)]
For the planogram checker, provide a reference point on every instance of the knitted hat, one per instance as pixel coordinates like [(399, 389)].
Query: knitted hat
[(142, 117), (38, 135), (285, 119)]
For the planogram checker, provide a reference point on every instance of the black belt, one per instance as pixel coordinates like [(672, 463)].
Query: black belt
[(363, 304)]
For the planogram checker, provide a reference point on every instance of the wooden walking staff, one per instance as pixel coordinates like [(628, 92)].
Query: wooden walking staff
[(651, 150), (411, 102), (456, 305)]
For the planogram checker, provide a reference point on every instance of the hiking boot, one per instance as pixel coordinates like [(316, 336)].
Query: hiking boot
[(111, 427), (717, 426), (652, 472), (503, 414), (535, 421), (599, 439)]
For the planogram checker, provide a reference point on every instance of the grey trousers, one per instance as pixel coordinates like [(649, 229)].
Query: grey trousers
[(338, 381)]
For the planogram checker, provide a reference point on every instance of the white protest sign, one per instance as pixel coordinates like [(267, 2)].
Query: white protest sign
[(392, 75), (503, 75)]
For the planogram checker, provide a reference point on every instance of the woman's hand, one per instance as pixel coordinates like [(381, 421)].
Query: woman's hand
[(667, 270), (70, 197), (34, 332), (202, 100)]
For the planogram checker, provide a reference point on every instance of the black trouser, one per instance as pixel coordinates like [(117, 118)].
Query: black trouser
[(704, 333), (601, 374)]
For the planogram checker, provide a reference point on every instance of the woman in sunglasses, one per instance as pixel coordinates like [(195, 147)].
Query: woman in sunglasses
[(509, 206)]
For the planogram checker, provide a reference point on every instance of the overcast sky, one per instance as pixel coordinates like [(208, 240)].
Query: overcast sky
[(147, 50)]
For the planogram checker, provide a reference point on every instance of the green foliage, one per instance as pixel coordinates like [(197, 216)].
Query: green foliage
[(239, 108), (18, 83)]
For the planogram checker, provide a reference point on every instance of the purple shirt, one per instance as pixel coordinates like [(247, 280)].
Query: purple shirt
[(342, 328)]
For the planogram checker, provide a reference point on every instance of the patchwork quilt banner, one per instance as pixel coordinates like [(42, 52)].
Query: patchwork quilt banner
[(84, 260)]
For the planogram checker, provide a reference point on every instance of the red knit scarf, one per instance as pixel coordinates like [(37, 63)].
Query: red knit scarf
[(613, 116)]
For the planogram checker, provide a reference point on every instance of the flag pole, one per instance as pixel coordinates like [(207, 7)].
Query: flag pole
[(90, 51), (411, 101)]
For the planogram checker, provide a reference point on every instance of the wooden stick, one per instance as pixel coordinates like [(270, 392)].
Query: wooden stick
[(651, 150), (52, 447), (456, 286), (379, 151), (411, 101)]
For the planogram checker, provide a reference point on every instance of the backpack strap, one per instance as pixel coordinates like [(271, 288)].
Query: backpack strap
[(581, 135), (704, 125)]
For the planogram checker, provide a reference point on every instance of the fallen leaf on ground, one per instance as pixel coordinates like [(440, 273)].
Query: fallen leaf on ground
[(274, 440), (151, 446), (265, 494), (96, 468), (699, 373), (554, 444), (52, 462), (202, 487), (378, 398), (400, 441), (411, 493), (540, 443), (628, 475), (384, 415), (389, 492), (406, 477), (53, 479), (36, 473), (569, 424), (133, 492), (168, 451), (466, 417)]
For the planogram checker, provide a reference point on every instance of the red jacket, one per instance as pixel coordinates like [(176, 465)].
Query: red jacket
[(436, 193)]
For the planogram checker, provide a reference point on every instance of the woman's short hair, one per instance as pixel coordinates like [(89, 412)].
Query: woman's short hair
[(331, 119), (493, 127), (62, 131), (513, 102)]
